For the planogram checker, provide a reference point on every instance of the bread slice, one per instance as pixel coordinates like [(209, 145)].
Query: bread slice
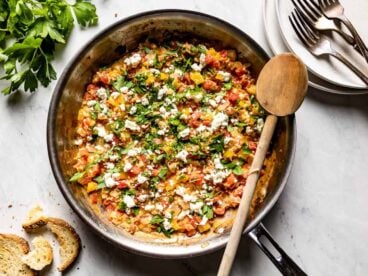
[(35, 220), (68, 239), (12, 249), (40, 256)]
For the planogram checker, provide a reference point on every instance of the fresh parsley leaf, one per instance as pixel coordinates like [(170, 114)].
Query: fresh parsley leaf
[(217, 144), (156, 219), (31, 29), (85, 13), (76, 176)]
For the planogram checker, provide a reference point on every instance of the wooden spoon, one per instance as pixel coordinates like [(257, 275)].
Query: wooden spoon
[(281, 88)]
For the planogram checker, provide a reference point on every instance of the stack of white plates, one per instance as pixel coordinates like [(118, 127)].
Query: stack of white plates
[(327, 73)]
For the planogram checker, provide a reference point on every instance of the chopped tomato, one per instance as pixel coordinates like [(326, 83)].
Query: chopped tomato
[(230, 180), (135, 170), (219, 210), (252, 145), (104, 78), (196, 178), (93, 197), (210, 85), (122, 185), (111, 207), (233, 95)]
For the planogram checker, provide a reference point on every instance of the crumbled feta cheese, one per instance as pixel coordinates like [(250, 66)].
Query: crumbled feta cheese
[(197, 67), (109, 180), (225, 75), (149, 207), (202, 59), (132, 125), (127, 167), (133, 60), (122, 107), (248, 130), (101, 93), (180, 191), (133, 152), (220, 230), (168, 215), (109, 165), (182, 155), (100, 129), (204, 220), (91, 103), (142, 197), (116, 175), (219, 120), (145, 101), (213, 103), (133, 110), (114, 157), (159, 207), (217, 176), (183, 214), (189, 198), (162, 132), (201, 128), (260, 125), (114, 95), (218, 164), (109, 137), (129, 201), (155, 71), (162, 92), (227, 140), (219, 98), (124, 89), (141, 178), (166, 223), (78, 142), (184, 133), (196, 207)]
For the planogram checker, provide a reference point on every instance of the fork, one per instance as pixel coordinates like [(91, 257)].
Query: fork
[(332, 9), (319, 44)]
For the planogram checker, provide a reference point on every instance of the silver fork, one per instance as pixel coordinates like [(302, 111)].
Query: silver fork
[(319, 44), (313, 14), (332, 9)]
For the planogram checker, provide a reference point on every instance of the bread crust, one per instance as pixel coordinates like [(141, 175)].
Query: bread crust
[(22, 244), (56, 222)]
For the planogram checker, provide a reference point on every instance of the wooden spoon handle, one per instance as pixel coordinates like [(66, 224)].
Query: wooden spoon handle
[(248, 191)]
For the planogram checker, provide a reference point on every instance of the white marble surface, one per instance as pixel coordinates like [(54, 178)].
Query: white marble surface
[(321, 219)]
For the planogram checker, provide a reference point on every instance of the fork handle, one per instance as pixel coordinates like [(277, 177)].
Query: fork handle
[(353, 68), (361, 46), (350, 40)]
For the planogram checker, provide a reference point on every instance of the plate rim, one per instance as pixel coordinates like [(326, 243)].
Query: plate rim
[(358, 89)]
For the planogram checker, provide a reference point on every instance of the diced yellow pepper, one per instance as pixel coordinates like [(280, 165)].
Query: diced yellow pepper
[(228, 154), (219, 77), (176, 83), (164, 76), (196, 77), (150, 79), (92, 186), (116, 101), (252, 89), (175, 225), (204, 228)]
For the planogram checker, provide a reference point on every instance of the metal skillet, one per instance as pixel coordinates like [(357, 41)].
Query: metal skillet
[(106, 47)]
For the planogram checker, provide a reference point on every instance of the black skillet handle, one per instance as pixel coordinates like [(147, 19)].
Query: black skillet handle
[(283, 262)]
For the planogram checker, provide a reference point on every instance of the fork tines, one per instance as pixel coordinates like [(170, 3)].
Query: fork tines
[(308, 9), (302, 28)]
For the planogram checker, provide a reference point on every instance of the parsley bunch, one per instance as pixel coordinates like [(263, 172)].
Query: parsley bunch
[(29, 31)]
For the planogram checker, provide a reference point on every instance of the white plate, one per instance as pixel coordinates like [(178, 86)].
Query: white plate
[(277, 45), (329, 68)]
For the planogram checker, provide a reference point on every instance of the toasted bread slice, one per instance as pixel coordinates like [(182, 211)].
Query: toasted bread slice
[(35, 220), (12, 249), (40, 256), (68, 239)]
